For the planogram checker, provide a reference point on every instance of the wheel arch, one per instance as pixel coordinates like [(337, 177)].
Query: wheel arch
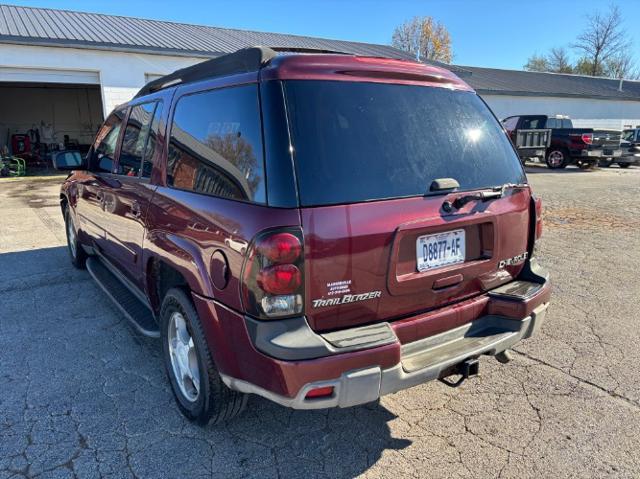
[(175, 262)]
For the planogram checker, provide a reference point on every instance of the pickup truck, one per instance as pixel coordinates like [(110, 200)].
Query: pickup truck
[(630, 145), (584, 147), (531, 144)]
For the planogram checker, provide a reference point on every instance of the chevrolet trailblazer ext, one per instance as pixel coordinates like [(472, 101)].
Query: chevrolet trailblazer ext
[(317, 229)]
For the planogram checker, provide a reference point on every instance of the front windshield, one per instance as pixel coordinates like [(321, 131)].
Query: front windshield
[(357, 141), (627, 135)]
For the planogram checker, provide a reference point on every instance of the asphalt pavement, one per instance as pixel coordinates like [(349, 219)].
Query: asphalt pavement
[(81, 395)]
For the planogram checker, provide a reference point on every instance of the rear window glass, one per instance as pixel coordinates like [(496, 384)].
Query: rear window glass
[(358, 142)]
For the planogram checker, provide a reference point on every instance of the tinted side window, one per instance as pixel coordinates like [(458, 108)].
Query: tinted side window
[(104, 149), (510, 123), (135, 138), (152, 140), (567, 124), (552, 123), (216, 145), (532, 123)]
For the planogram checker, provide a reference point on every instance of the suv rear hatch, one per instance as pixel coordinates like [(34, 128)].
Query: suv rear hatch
[(366, 155)]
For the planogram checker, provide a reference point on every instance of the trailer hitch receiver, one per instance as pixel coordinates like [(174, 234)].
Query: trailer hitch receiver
[(466, 369)]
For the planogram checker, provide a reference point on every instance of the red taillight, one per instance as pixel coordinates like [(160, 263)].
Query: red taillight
[(280, 248), (538, 203), (272, 278), (320, 392), (587, 138), (280, 279)]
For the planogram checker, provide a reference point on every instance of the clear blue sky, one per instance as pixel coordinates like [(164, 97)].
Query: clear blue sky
[(484, 32)]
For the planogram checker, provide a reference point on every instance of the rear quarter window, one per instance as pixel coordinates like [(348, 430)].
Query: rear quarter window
[(215, 145), (358, 142)]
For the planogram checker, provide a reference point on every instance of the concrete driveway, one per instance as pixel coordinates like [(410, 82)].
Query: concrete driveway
[(82, 396)]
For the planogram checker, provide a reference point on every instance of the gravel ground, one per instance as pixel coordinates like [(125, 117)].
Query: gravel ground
[(82, 396)]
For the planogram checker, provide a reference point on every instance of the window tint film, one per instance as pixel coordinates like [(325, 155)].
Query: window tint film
[(135, 138), (510, 123), (533, 123), (367, 141), (152, 141), (102, 154), (216, 145)]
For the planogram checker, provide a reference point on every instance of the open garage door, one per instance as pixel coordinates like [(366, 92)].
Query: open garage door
[(39, 115)]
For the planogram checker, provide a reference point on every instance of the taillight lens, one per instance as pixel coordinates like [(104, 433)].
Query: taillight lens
[(280, 248), (587, 138), (538, 203), (272, 279), (280, 279)]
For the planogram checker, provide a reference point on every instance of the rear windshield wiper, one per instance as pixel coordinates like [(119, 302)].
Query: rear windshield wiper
[(490, 194)]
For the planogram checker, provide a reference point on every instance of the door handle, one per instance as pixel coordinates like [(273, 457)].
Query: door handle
[(136, 211)]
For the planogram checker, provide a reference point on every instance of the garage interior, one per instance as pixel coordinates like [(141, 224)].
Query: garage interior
[(38, 118)]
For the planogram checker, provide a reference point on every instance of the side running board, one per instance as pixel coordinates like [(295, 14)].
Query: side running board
[(135, 310)]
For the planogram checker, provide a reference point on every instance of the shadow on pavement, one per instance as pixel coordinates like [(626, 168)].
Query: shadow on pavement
[(107, 390)]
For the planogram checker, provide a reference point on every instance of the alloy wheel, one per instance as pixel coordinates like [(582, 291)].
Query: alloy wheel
[(184, 359)]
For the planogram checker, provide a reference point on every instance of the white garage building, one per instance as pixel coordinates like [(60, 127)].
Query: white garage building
[(61, 72), (589, 101)]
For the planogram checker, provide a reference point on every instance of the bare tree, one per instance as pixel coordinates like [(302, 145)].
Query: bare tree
[(621, 66), (559, 61), (425, 38), (537, 63), (602, 40)]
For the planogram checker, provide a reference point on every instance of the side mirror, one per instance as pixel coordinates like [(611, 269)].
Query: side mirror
[(69, 160)]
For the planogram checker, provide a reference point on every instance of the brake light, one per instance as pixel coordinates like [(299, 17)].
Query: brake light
[(538, 203), (587, 138), (272, 278)]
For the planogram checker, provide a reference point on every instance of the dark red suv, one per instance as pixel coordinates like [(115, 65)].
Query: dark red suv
[(317, 229)]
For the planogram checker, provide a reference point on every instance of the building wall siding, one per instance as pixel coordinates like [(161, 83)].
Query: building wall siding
[(121, 74), (585, 111)]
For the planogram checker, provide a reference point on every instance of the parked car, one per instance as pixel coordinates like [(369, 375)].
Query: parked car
[(530, 144), (630, 145), (584, 147), (316, 229)]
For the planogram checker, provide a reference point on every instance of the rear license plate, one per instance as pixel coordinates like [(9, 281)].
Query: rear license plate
[(612, 152), (441, 249)]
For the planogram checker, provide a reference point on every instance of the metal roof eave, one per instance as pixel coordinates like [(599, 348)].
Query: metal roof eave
[(102, 46), (482, 91)]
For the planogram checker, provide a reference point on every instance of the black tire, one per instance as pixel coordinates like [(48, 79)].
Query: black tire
[(214, 402), (557, 158), (624, 165), (586, 165), (76, 252), (605, 163)]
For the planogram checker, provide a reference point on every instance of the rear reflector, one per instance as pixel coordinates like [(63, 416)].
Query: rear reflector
[(320, 392)]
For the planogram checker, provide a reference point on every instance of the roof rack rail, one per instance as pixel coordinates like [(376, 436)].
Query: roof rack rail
[(242, 61)]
